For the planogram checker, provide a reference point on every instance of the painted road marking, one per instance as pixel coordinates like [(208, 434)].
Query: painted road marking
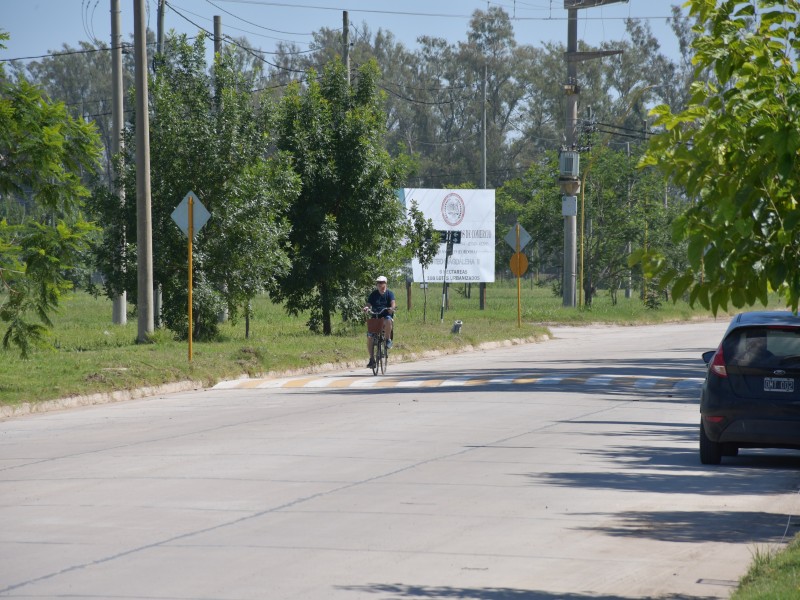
[(643, 383)]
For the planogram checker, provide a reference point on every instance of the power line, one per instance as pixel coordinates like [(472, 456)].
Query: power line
[(423, 14), (234, 42), (255, 24), (240, 29)]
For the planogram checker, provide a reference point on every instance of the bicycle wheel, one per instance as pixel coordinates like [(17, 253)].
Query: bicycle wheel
[(378, 347), (384, 355)]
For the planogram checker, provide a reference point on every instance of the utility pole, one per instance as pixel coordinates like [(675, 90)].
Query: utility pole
[(160, 36), (159, 56), (222, 315), (144, 223), (119, 308), (217, 34), (482, 285), (569, 157), (346, 43), (629, 245), (569, 165)]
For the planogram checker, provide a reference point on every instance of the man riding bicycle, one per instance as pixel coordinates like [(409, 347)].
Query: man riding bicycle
[(381, 304)]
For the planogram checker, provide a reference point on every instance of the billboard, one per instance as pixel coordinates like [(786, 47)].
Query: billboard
[(469, 214)]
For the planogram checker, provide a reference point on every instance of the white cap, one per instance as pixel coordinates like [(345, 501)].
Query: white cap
[(380, 279)]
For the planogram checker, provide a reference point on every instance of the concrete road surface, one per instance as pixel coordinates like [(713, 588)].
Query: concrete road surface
[(566, 469)]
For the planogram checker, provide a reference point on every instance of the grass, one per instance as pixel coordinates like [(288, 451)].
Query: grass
[(90, 355), (772, 575)]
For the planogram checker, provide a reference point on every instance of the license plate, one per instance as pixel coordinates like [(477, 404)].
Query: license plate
[(778, 384)]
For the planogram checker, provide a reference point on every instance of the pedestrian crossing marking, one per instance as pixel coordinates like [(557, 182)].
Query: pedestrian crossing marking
[(641, 383)]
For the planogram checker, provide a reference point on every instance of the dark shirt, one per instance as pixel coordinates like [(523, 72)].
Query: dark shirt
[(380, 303)]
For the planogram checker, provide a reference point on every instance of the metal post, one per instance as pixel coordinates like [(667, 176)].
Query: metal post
[(144, 223), (119, 313)]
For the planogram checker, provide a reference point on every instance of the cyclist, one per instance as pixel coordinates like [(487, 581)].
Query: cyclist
[(381, 304)]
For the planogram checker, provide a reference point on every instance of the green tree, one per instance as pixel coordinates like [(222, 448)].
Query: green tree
[(43, 153), (423, 244), (347, 221), (534, 200), (735, 150), (207, 135)]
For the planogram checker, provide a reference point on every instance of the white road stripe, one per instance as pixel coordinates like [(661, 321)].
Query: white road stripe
[(455, 381), (639, 382), (600, 380)]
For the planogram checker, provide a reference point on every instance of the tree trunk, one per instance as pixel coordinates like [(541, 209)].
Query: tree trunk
[(326, 311)]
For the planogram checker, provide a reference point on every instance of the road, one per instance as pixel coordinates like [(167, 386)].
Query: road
[(566, 469)]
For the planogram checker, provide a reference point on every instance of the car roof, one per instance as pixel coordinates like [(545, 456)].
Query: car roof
[(765, 317)]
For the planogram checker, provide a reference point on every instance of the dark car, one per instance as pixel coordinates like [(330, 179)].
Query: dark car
[(751, 395)]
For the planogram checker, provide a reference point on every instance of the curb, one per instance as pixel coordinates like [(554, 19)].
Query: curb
[(28, 408)]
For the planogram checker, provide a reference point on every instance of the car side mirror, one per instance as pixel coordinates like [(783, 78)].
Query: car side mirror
[(708, 356)]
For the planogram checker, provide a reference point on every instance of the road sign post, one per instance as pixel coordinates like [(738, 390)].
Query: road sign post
[(190, 215), (518, 238), (448, 237)]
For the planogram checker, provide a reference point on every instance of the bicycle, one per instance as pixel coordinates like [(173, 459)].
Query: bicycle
[(380, 347)]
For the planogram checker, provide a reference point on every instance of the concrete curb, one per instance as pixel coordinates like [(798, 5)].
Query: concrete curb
[(27, 408)]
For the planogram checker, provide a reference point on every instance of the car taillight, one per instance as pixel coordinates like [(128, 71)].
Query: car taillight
[(718, 363)]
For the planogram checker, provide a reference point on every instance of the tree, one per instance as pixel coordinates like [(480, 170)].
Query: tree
[(43, 153), (207, 135), (534, 200), (735, 151), (347, 220), (81, 78), (423, 244)]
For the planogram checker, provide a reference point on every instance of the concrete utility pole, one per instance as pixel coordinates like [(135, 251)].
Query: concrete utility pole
[(144, 222), (160, 32), (346, 43), (570, 183), (119, 308), (159, 51), (569, 158), (482, 285), (217, 34)]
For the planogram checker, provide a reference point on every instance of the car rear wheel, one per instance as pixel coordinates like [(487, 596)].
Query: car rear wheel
[(710, 452)]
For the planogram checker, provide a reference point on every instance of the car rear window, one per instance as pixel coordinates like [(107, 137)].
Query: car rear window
[(762, 346)]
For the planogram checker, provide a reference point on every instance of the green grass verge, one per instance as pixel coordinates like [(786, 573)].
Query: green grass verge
[(772, 575), (89, 354)]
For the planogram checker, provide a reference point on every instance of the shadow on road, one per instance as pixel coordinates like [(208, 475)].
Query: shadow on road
[(398, 590), (730, 527)]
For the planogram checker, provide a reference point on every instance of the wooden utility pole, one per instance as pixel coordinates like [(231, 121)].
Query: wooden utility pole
[(144, 223)]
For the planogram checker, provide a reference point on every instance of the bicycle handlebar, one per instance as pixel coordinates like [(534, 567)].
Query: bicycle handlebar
[(367, 309)]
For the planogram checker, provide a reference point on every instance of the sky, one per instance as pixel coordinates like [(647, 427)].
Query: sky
[(39, 27)]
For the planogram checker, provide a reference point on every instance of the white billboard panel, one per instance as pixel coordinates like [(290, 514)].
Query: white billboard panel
[(472, 213)]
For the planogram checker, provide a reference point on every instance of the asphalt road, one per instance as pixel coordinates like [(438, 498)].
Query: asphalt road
[(566, 469)]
